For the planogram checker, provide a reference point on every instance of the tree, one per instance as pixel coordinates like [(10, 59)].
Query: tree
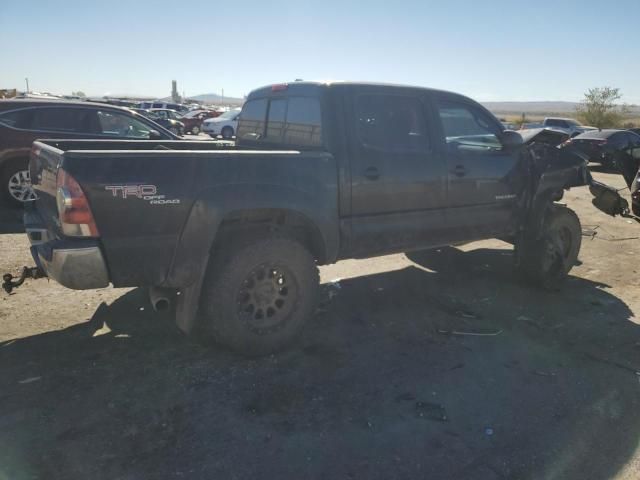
[(599, 108), (78, 94)]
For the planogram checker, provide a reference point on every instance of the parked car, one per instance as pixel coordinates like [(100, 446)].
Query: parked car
[(169, 119), (608, 147), (176, 107), (24, 120), (225, 125), (567, 125), (319, 173), (193, 119)]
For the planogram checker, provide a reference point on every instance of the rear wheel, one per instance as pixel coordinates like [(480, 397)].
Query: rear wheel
[(174, 130), (227, 133), (547, 259), (257, 298), (195, 130), (16, 182)]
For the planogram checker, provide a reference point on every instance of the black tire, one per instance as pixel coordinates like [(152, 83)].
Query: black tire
[(635, 208), (227, 133), (195, 130), (547, 259), (257, 298), (8, 172), (174, 130)]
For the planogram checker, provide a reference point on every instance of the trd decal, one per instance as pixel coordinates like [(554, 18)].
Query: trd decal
[(147, 193)]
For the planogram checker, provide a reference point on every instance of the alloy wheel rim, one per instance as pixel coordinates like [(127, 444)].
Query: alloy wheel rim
[(20, 187)]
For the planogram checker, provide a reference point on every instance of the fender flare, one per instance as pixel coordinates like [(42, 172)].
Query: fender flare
[(215, 204)]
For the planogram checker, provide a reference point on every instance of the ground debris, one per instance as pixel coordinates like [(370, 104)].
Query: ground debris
[(431, 411), (29, 380), (476, 333)]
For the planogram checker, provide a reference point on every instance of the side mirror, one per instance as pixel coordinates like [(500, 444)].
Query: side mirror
[(511, 140), (155, 135)]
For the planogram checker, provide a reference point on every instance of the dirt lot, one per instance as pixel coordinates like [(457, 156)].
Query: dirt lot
[(95, 385)]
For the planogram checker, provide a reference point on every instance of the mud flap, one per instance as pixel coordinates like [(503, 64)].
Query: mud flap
[(188, 302)]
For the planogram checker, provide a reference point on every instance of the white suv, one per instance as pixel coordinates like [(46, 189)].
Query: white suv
[(224, 125)]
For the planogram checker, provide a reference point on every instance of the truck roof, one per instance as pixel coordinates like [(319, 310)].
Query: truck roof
[(314, 88)]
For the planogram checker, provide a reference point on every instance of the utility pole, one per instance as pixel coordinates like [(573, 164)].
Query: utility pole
[(26, 80), (222, 97)]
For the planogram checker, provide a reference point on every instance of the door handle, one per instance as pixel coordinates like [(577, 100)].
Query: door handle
[(372, 173), (459, 171)]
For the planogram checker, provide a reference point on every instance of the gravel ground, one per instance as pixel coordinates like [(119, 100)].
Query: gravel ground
[(386, 382)]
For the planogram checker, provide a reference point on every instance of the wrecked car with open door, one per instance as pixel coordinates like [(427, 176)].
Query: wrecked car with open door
[(234, 235)]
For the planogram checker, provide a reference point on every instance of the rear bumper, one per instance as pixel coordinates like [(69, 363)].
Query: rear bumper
[(77, 264)]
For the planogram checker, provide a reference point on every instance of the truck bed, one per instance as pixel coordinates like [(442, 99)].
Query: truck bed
[(158, 204)]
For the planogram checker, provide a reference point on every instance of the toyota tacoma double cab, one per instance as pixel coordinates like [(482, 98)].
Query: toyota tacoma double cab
[(320, 172)]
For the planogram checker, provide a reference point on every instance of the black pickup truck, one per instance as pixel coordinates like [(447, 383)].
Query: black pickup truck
[(319, 173)]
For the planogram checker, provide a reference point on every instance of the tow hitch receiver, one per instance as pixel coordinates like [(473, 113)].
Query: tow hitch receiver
[(8, 282)]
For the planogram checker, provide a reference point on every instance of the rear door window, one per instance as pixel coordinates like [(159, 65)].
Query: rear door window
[(391, 122), (17, 118), (57, 119)]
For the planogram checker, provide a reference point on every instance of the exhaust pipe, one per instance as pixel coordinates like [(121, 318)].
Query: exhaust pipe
[(160, 298)]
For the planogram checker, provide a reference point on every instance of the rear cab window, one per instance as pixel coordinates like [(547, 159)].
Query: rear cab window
[(291, 121)]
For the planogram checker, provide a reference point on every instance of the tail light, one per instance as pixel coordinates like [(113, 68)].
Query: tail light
[(75, 214)]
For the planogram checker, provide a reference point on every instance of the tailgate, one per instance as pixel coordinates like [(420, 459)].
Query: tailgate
[(43, 169)]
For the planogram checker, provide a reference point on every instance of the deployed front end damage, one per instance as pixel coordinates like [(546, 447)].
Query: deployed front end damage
[(548, 242)]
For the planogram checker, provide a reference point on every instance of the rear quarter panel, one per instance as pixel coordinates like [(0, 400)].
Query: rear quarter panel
[(164, 238), (138, 235)]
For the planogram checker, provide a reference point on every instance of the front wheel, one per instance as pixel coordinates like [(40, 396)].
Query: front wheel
[(257, 298), (546, 259), (195, 130), (227, 133)]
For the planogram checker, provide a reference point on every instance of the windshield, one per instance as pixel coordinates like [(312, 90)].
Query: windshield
[(229, 115)]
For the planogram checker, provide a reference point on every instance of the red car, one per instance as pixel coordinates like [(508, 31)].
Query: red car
[(193, 120)]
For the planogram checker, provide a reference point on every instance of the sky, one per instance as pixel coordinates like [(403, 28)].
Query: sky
[(489, 50)]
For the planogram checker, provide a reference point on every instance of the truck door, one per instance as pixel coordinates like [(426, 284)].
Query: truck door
[(397, 181), (482, 178)]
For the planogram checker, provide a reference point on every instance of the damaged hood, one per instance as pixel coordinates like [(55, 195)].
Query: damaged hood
[(543, 135)]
